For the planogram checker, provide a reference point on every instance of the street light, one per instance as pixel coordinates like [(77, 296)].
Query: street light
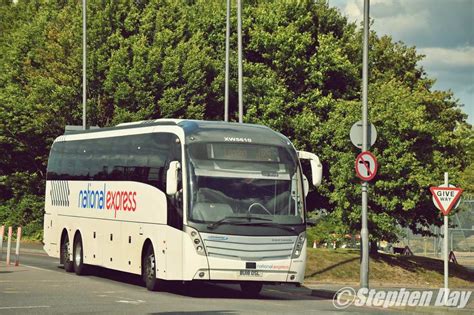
[(239, 33), (227, 35), (84, 82)]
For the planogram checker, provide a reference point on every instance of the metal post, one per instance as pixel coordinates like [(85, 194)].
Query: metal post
[(364, 233), (445, 252), (227, 49), (9, 244), (408, 236), (84, 51), (451, 240), (239, 35), (2, 231), (17, 251)]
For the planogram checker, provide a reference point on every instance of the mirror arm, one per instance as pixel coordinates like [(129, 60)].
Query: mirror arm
[(316, 167)]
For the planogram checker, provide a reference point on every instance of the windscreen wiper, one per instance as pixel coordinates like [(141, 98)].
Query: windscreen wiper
[(229, 219), (273, 224)]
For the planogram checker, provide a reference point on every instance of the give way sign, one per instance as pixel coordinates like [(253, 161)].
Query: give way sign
[(445, 198)]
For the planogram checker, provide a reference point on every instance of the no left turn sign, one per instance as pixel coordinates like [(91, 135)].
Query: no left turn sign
[(366, 166)]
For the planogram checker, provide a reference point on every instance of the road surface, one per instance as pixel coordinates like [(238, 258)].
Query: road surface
[(39, 285)]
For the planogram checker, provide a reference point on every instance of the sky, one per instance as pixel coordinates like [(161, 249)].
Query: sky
[(442, 30)]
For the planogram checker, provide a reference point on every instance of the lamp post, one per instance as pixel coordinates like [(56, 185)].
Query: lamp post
[(227, 39), (239, 33), (84, 81)]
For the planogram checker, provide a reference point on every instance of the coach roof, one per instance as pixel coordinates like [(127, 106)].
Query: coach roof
[(209, 131)]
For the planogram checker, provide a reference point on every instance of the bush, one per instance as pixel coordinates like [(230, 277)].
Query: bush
[(327, 230), (26, 212)]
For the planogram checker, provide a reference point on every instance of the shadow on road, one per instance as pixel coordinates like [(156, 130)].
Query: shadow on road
[(205, 289), (202, 312)]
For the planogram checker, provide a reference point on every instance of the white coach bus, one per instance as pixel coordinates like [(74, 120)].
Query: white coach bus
[(180, 200)]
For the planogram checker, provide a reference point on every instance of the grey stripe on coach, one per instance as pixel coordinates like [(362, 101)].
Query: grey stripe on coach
[(53, 192), (67, 197), (58, 189), (63, 194)]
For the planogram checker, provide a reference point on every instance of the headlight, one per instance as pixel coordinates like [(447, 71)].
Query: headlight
[(196, 239), (299, 245)]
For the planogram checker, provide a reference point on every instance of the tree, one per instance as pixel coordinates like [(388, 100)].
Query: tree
[(302, 63)]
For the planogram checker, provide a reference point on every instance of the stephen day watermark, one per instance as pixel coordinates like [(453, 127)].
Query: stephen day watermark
[(348, 296)]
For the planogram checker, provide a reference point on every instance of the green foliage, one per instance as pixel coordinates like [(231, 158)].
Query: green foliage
[(467, 177), (26, 212), (328, 229), (302, 63)]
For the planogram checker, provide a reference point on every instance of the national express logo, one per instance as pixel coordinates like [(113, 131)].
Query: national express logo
[(100, 199)]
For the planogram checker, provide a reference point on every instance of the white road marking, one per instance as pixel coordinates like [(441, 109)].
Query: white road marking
[(130, 301), (37, 268), (23, 307)]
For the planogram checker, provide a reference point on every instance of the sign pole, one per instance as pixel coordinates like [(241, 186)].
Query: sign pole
[(364, 233), (446, 197), (446, 232)]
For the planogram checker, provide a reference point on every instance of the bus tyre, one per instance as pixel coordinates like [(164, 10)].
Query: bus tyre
[(149, 269), (251, 289), (78, 256), (65, 257)]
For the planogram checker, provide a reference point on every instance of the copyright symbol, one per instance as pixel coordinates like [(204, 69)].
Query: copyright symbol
[(344, 297)]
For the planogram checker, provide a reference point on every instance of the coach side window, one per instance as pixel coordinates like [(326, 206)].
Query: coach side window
[(147, 158), (54, 160), (161, 144), (68, 156), (116, 158), (61, 162), (82, 152), (139, 151)]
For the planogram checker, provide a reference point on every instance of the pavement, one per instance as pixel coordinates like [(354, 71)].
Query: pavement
[(38, 285)]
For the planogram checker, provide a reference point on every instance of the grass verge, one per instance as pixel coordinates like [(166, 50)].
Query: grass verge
[(342, 266)]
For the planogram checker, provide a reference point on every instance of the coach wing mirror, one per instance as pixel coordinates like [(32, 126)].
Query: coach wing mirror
[(172, 178), (316, 167)]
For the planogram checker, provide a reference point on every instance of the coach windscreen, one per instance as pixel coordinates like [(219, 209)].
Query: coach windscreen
[(230, 181)]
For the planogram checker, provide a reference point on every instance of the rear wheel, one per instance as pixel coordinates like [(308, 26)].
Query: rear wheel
[(149, 269), (78, 256), (65, 257), (251, 289)]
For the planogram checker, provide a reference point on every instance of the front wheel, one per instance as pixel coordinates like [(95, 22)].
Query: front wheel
[(65, 257), (78, 256), (251, 289), (149, 269)]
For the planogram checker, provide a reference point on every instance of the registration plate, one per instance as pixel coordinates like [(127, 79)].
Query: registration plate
[(251, 273)]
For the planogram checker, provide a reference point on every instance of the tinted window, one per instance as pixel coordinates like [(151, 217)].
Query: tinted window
[(143, 158)]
